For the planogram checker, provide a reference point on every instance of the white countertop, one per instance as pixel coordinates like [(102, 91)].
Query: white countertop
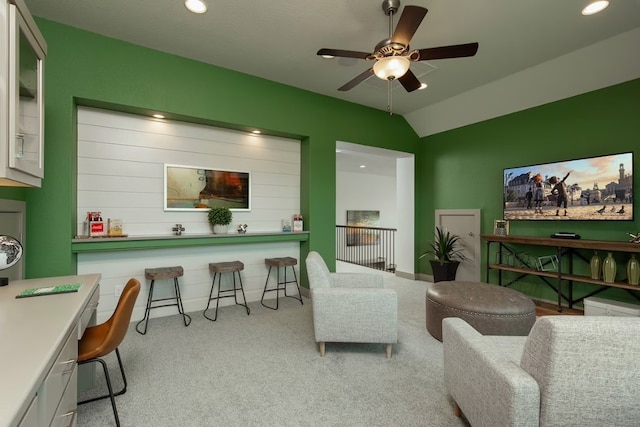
[(32, 332), (80, 239)]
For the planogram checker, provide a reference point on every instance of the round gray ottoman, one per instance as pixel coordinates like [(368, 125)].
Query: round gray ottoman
[(490, 309)]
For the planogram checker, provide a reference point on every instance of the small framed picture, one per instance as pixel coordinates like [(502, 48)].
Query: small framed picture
[(501, 227)]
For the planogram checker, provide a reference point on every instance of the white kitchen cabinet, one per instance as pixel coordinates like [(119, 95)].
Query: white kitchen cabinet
[(22, 53)]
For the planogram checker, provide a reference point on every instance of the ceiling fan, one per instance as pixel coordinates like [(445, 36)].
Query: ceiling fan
[(393, 55)]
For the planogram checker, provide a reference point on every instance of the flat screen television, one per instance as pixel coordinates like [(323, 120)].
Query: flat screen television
[(588, 189)]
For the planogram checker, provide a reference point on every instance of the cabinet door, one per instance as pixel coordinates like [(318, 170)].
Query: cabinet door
[(26, 100)]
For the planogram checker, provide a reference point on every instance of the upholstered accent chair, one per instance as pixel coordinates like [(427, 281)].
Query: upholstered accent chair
[(351, 307), (570, 371)]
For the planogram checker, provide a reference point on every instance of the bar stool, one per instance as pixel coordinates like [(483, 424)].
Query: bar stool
[(218, 268), (163, 273), (281, 285)]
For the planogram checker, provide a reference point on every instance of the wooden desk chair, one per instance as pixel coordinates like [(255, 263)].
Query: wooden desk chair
[(100, 340)]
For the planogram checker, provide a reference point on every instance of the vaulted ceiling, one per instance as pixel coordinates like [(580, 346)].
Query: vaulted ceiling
[(278, 39)]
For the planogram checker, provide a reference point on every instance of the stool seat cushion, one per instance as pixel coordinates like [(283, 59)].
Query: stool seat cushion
[(281, 262), (162, 273), (226, 267), (490, 309)]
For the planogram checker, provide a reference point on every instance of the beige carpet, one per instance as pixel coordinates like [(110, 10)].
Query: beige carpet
[(265, 370)]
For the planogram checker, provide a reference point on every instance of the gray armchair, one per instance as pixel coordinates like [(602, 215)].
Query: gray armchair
[(351, 307), (570, 371)]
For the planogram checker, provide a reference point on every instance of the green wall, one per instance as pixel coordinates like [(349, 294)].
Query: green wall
[(86, 68), (462, 168)]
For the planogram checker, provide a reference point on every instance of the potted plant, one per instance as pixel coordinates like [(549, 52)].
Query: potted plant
[(220, 218), (448, 252)]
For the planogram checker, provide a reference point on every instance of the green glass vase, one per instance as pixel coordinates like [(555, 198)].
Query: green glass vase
[(596, 266), (633, 271), (609, 269)]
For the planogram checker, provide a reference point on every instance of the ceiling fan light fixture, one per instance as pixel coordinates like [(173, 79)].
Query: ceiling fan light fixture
[(391, 67), (595, 7), (196, 6)]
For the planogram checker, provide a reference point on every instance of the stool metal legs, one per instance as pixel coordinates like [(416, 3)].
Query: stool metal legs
[(178, 302), (225, 294), (281, 286)]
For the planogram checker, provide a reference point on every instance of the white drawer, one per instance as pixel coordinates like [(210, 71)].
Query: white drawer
[(30, 418), (56, 381), (67, 414), (87, 314)]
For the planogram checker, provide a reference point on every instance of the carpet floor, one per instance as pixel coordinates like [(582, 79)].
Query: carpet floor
[(265, 369)]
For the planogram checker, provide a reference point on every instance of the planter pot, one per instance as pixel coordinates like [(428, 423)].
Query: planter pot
[(444, 271), (220, 229)]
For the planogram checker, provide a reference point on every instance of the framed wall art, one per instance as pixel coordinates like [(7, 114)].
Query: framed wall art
[(360, 228), (500, 227), (197, 188)]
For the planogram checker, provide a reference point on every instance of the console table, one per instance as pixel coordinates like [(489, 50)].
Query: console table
[(566, 251), (38, 361)]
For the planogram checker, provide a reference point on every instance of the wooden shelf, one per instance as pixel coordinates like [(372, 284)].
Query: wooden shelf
[(110, 244), (523, 270), (601, 245), (564, 276), (566, 248)]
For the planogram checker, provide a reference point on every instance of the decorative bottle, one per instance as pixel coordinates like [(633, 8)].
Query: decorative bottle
[(609, 269), (633, 271), (596, 265)]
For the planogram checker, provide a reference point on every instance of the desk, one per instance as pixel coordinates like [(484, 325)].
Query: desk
[(35, 333)]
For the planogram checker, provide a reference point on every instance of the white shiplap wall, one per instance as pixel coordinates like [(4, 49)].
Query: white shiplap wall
[(121, 161)]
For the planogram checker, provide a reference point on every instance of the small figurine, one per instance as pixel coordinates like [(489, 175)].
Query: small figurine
[(242, 228), (178, 229)]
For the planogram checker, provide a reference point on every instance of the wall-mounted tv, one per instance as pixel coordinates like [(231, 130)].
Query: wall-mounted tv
[(588, 189)]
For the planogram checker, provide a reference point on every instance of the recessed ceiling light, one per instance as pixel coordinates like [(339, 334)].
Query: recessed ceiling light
[(595, 7), (422, 86), (158, 116), (257, 132), (196, 6), (363, 166)]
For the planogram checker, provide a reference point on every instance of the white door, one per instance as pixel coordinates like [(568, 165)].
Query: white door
[(12, 224), (466, 224)]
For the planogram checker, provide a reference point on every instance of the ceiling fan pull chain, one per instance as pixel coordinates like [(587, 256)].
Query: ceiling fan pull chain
[(389, 106)]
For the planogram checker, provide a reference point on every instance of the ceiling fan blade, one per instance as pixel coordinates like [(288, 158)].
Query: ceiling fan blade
[(343, 53), (409, 22), (357, 80), (409, 81), (455, 51)]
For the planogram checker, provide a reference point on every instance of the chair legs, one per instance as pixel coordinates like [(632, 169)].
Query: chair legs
[(111, 394), (281, 286), (456, 410), (178, 302), (226, 294), (322, 346)]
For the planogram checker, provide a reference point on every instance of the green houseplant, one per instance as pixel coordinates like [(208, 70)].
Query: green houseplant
[(448, 252), (220, 218)]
